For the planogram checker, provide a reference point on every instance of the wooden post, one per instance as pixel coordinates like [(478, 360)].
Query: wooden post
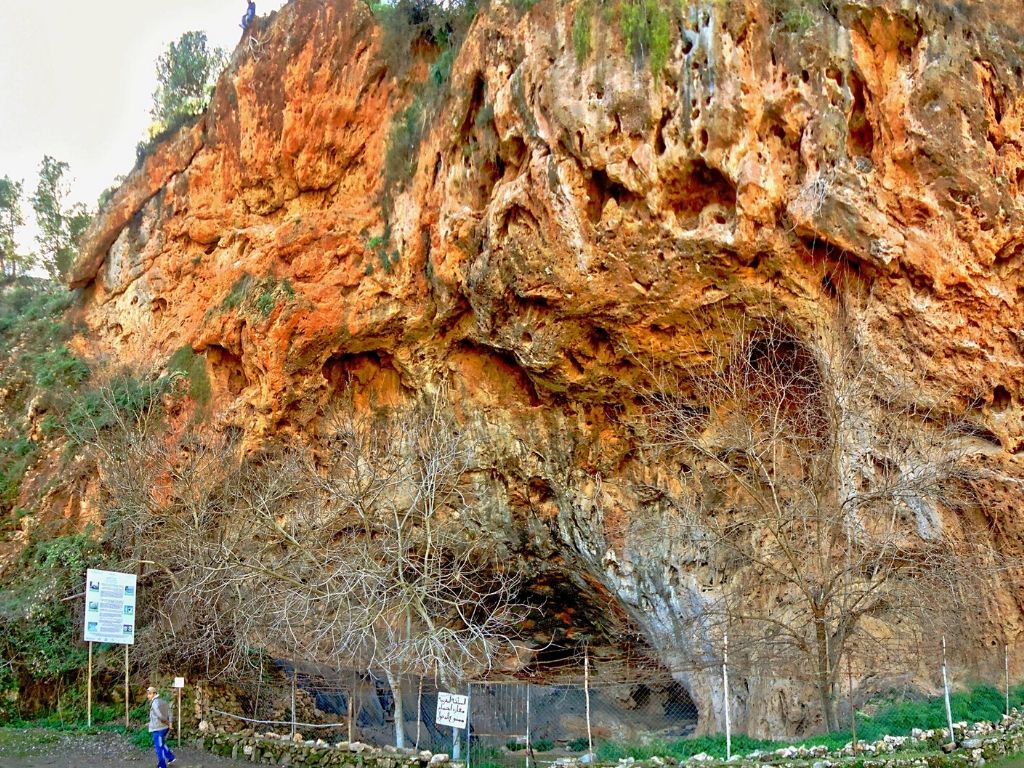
[(352, 708), (126, 724), (88, 689), (1006, 669), (725, 695), (586, 696), (293, 701), (945, 692), (853, 709), (419, 711)]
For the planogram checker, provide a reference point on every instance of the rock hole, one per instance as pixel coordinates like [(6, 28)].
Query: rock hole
[(860, 139), (805, 76), (704, 138), (687, 45), (700, 188), (659, 135), (1001, 398), (829, 287), (226, 371), (600, 189), (836, 74)]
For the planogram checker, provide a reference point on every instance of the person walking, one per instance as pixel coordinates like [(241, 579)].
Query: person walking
[(159, 725)]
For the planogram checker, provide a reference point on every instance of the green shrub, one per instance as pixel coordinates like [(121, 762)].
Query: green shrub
[(513, 745), (257, 296), (578, 745), (187, 363), (581, 31), (125, 398), (58, 366), (15, 458), (38, 632), (645, 28), (403, 145), (543, 745), (792, 15)]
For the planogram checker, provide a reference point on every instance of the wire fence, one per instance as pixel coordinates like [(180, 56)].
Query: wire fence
[(513, 722)]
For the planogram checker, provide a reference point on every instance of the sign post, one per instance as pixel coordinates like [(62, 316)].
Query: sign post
[(109, 618), (179, 683), (88, 695), (453, 711)]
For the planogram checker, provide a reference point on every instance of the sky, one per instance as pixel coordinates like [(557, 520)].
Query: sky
[(77, 78)]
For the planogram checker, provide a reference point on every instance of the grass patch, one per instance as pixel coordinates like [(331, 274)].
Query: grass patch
[(882, 718), (257, 297)]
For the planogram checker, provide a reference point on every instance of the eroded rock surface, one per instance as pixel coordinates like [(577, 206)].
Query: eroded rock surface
[(566, 221)]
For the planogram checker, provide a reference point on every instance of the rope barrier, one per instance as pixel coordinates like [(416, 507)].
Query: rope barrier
[(279, 722)]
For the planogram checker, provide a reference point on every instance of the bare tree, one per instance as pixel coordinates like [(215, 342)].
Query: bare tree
[(355, 550), (424, 594), (822, 495)]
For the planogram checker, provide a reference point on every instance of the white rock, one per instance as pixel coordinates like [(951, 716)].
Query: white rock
[(439, 759)]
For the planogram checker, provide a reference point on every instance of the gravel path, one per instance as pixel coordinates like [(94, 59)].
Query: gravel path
[(36, 748)]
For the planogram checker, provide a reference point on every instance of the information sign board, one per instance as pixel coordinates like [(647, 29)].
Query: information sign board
[(109, 607), (452, 710)]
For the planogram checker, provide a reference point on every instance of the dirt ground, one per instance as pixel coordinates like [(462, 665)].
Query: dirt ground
[(34, 748)]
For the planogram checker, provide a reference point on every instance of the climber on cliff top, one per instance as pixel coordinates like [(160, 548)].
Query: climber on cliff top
[(250, 15)]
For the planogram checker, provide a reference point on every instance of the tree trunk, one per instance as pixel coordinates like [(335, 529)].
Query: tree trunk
[(396, 693), (823, 679)]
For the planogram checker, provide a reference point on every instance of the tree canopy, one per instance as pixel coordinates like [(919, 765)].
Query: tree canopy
[(186, 73), (11, 263), (60, 224)]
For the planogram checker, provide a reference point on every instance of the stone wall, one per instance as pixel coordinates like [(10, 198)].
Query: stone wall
[(282, 749)]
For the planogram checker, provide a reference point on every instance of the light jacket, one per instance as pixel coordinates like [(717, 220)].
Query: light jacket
[(159, 715)]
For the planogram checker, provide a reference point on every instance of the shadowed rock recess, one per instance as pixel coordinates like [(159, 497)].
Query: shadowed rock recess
[(570, 225)]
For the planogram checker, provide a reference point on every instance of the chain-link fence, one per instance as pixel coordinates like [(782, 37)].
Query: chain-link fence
[(508, 720), (515, 722)]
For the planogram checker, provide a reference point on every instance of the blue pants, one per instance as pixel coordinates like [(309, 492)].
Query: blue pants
[(163, 754)]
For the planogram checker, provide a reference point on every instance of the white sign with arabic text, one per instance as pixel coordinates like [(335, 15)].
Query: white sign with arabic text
[(452, 709)]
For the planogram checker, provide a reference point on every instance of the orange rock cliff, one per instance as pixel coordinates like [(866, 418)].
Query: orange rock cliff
[(566, 216)]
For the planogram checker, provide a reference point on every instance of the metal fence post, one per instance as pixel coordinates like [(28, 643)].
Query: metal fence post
[(725, 695), (945, 691), (1006, 669), (293, 700)]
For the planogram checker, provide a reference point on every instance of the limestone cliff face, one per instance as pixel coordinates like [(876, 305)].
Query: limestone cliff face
[(564, 218)]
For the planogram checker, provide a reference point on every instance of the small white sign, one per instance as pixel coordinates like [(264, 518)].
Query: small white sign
[(109, 607), (179, 682), (452, 710)]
